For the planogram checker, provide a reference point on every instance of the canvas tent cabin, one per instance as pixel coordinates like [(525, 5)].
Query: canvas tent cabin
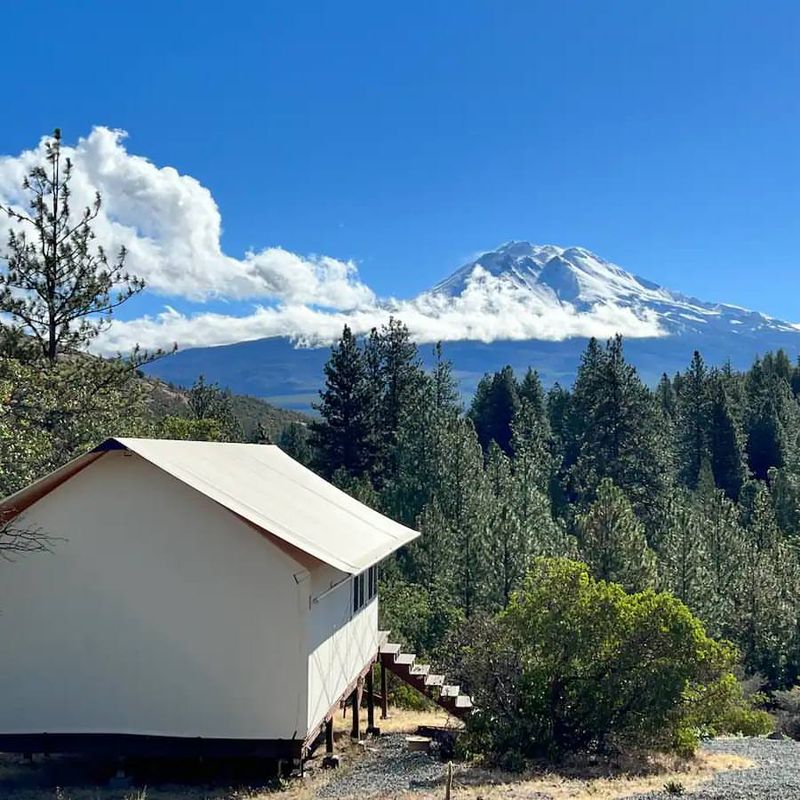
[(219, 598)]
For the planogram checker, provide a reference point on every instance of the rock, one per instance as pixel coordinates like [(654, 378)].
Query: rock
[(420, 744)]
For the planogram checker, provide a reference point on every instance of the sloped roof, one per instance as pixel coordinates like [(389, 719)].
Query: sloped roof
[(265, 487)]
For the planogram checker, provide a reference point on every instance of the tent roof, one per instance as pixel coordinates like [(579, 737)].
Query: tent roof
[(265, 487)]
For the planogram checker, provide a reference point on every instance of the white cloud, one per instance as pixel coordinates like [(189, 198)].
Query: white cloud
[(171, 226), (489, 309)]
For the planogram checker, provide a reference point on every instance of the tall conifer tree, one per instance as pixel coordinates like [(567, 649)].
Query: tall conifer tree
[(692, 418), (344, 437), (613, 541)]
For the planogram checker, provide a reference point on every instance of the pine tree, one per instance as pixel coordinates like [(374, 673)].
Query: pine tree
[(785, 490), (294, 441), (722, 546), (725, 440), (682, 558), (532, 446), (617, 432), (445, 387), (428, 562), (493, 408), (209, 416), (558, 414), (421, 454), (344, 436), (58, 286), (692, 420), (508, 547), (613, 541), (531, 390), (777, 364), (794, 378), (401, 372), (766, 614), (464, 500), (666, 398), (767, 441), (534, 469)]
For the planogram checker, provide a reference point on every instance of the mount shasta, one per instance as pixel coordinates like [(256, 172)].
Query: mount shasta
[(549, 299)]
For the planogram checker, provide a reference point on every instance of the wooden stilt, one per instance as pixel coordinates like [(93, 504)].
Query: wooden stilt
[(329, 737), (371, 703), (355, 732), (384, 694)]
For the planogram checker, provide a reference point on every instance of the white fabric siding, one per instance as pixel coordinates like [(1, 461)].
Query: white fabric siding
[(341, 642), (160, 613)]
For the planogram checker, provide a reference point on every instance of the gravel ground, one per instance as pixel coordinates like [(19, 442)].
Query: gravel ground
[(776, 775), (388, 767)]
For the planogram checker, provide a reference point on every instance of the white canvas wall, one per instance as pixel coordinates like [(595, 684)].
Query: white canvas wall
[(159, 614), (340, 643)]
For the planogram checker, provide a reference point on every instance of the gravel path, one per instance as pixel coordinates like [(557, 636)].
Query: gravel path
[(388, 767), (776, 775)]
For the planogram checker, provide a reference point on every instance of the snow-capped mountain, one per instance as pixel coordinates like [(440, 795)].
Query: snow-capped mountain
[(578, 278), (569, 293)]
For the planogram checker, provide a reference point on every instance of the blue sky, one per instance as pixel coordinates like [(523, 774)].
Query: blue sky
[(409, 136)]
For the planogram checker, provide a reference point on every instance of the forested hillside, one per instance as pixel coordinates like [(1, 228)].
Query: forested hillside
[(692, 488)]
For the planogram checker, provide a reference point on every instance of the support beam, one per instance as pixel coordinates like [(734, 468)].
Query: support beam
[(384, 694), (355, 732), (329, 736), (371, 703)]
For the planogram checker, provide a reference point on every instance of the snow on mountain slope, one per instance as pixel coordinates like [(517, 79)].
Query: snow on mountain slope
[(550, 276)]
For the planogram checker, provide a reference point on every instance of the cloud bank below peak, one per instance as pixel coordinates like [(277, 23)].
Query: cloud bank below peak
[(488, 310), (171, 227)]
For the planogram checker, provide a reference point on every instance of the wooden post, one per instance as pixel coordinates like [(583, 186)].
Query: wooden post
[(370, 702), (329, 736), (384, 694), (355, 732)]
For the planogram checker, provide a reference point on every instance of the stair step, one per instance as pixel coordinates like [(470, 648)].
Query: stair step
[(463, 701), (390, 649), (450, 691), (434, 680), (405, 659), (420, 670)]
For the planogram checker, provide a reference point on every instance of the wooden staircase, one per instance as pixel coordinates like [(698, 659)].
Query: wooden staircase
[(420, 677)]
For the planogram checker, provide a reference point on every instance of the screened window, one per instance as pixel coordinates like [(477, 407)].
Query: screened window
[(365, 587)]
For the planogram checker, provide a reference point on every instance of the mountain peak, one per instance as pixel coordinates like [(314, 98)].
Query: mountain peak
[(573, 278)]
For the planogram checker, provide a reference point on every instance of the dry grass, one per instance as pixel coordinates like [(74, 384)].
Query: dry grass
[(569, 784), (400, 720)]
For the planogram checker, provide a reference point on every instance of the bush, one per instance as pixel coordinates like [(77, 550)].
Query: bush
[(787, 705), (578, 664)]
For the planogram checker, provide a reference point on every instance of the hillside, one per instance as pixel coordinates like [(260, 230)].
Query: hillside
[(253, 413)]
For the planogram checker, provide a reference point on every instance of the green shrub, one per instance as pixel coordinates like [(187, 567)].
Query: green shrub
[(743, 720), (787, 706), (578, 664)]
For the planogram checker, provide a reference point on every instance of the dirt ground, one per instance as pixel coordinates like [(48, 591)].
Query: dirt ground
[(69, 778)]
